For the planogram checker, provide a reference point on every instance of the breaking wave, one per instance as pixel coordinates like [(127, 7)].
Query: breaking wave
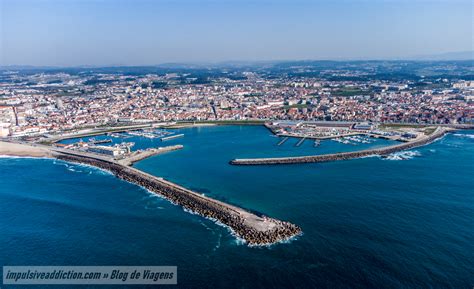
[(24, 157), (470, 136), (403, 155), (81, 168)]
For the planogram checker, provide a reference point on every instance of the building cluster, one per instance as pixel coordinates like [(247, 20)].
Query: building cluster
[(54, 102)]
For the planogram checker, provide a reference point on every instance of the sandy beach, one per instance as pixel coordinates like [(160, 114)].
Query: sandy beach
[(23, 150)]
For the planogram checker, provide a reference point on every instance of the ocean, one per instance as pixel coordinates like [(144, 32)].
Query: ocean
[(406, 221)]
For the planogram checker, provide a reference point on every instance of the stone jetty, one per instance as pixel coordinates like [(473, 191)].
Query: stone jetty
[(439, 132), (254, 229), (141, 155)]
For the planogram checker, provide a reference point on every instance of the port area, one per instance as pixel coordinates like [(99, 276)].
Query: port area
[(324, 130), (410, 136), (122, 152), (117, 144)]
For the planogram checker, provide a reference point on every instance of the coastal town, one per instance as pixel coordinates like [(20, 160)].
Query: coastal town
[(40, 112), (237, 144), (35, 103)]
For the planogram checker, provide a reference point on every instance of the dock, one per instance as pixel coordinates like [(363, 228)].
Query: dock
[(141, 155), (282, 141), (101, 141), (172, 137), (300, 142)]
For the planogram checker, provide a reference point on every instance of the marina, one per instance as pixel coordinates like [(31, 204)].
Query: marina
[(420, 141)]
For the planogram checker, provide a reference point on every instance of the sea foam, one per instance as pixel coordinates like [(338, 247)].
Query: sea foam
[(470, 136), (403, 155)]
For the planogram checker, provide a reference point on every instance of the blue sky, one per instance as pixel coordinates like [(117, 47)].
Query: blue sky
[(146, 32)]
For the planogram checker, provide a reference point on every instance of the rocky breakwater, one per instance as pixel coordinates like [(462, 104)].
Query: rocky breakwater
[(254, 229), (439, 132)]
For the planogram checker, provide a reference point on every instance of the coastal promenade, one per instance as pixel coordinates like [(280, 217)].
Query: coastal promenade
[(254, 229), (425, 139)]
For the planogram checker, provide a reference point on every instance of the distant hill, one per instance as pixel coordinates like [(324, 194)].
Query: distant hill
[(460, 55)]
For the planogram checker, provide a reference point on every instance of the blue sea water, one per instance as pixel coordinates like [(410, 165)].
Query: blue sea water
[(402, 222)]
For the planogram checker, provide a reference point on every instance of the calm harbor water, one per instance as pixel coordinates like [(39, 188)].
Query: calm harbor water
[(402, 222)]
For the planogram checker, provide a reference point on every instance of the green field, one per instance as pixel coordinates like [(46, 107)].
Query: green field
[(349, 91), (295, 106)]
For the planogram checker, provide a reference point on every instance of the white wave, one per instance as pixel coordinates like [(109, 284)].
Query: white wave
[(369, 156), (452, 145), (24, 157), (238, 239), (470, 136), (218, 245), (151, 195), (206, 226), (403, 155), (74, 167), (283, 241), (152, 207)]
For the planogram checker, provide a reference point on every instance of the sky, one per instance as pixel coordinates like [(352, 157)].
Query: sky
[(150, 32)]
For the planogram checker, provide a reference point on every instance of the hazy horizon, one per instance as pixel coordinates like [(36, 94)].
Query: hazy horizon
[(147, 33)]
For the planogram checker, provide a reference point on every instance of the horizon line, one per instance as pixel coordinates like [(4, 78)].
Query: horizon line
[(228, 62)]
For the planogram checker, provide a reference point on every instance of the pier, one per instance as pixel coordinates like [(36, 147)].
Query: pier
[(282, 141), (300, 142), (171, 137), (439, 132), (101, 141), (141, 155)]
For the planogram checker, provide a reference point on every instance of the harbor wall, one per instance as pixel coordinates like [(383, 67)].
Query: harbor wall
[(439, 132), (256, 230)]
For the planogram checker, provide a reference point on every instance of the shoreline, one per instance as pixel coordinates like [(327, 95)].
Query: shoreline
[(24, 150), (438, 133), (87, 132)]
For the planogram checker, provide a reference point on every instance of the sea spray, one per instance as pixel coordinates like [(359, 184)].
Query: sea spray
[(401, 156)]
